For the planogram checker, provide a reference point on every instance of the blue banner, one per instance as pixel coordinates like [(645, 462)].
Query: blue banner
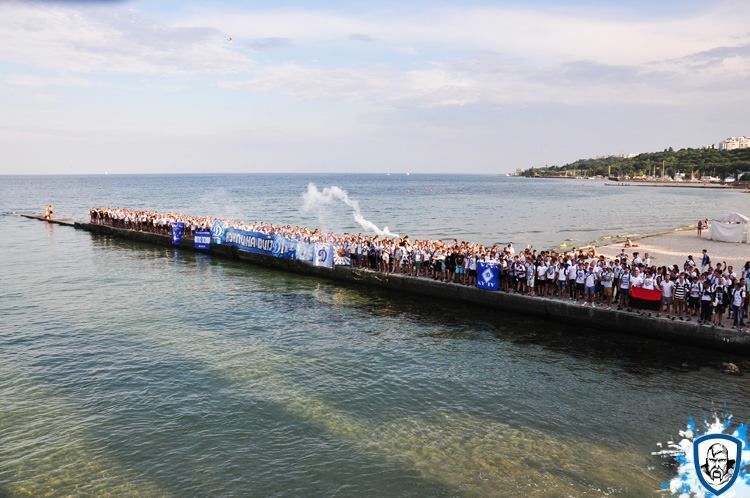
[(202, 241), (178, 228), (283, 248), (488, 276), (248, 241)]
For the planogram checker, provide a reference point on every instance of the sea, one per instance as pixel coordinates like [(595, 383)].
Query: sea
[(135, 370)]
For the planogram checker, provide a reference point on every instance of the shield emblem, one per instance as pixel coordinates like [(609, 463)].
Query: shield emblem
[(487, 275), (217, 231), (717, 461)]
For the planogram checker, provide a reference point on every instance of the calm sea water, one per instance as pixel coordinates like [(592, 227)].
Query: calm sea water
[(133, 370)]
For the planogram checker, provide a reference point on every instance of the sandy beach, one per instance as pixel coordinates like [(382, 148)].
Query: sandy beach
[(674, 248)]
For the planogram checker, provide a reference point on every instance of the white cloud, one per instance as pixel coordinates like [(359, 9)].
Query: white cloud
[(539, 33), (31, 80), (58, 37)]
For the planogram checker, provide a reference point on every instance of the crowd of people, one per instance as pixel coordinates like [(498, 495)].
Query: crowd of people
[(698, 290)]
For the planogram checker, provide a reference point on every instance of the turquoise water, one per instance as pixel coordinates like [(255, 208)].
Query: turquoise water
[(133, 370)]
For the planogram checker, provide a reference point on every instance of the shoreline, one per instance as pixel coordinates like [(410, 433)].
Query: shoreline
[(620, 239), (672, 247), (603, 320)]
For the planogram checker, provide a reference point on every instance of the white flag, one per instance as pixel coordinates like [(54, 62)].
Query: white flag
[(323, 255)]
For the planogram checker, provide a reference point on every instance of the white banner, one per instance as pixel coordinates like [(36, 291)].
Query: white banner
[(306, 252)]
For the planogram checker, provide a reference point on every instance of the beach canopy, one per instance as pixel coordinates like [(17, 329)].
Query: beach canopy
[(729, 228), (734, 218)]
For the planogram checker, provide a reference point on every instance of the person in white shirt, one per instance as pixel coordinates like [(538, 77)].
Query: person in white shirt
[(580, 281), (606, 278), (738, 303), (572, 270), (591, 280), (667, 288), (624, 290), (562, 280), (541, 280), (551, 274), (649, 282), (636, 280)]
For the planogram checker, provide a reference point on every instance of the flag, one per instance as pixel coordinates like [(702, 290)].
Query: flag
[(178, 228), (488, 276), (217, 232), (323, 255), (202, 241), (342, 260), (305, 252)]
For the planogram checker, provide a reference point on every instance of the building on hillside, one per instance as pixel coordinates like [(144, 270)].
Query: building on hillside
[(732, 143)]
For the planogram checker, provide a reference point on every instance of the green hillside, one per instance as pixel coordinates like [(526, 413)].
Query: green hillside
[(698, 162)]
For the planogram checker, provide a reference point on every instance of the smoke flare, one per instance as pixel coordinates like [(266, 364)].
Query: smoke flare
[(314, 198)]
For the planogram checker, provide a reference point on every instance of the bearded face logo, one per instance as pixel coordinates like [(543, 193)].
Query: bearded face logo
[(717, 456), (717, 467)]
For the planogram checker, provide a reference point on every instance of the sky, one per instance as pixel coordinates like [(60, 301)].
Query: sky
[(93, 87)]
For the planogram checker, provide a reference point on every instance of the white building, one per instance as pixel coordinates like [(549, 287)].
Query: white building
[(732, 143)]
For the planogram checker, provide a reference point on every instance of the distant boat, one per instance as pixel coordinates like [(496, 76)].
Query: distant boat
[(407, 173)]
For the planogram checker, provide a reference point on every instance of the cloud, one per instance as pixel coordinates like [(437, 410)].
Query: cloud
[(30, 80), (115, 40), (359, 37), (502, 55), (269, 43)]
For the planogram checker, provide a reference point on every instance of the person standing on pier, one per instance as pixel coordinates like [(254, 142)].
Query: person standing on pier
[(738, 303)]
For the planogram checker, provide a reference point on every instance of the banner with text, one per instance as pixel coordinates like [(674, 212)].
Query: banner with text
[(203, 241), (488, 276), (248, 241)]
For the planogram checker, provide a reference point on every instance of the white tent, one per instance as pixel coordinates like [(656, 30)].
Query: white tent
[(729, 228)]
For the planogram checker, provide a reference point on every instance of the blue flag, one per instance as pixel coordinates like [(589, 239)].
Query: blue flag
[(217, 232), (202, 241), (488, 276), (178, 228)]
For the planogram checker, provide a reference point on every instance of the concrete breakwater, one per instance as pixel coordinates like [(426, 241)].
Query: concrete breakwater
[(600, 319)]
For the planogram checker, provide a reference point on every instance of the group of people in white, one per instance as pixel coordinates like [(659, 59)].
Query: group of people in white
[(709, 293)]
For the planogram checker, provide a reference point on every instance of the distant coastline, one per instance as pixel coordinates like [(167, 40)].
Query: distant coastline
[(684, 165)]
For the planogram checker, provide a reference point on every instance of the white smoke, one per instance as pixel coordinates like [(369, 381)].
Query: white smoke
[(314, 198)]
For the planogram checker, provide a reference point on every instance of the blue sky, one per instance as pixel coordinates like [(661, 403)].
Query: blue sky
[(485, 87)]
